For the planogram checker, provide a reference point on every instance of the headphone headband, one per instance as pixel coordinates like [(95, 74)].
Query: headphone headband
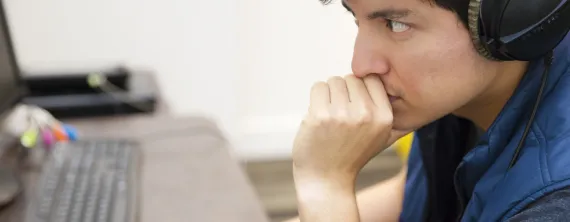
[(517, 30)]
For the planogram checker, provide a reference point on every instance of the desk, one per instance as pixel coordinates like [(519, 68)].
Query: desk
[(209, 185)]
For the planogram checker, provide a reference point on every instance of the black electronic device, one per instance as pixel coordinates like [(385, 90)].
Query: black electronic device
[(50, 84), (518, 30), (89, 180), (70, 95), (11, 91), (12, 87)]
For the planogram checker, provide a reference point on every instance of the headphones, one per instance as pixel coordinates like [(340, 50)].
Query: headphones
[(506, 30)]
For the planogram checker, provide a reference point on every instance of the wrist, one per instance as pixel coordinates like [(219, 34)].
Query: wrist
[(326, 200), (332, 178), (318, 190), (313, 186)]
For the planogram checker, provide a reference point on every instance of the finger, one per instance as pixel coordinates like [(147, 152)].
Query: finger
[(376, 91), (320, 98), (357, 92), (338, 90)]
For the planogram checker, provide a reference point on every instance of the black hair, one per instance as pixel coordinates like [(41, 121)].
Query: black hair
[(460, 7)]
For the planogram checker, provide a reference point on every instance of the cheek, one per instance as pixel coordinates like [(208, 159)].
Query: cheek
[(438, 76)]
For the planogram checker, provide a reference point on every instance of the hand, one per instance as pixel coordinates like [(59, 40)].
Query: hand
[(349, 121)]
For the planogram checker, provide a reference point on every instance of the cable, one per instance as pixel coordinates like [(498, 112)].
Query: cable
[(547, 63), (99, 81)]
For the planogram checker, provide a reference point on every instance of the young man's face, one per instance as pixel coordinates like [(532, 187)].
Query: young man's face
[(423, 54)]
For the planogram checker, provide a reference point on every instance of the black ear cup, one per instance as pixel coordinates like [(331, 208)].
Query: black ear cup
[(517, 30)]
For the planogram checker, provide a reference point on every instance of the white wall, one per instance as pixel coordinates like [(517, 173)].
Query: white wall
[(247, 63), (290, 44)]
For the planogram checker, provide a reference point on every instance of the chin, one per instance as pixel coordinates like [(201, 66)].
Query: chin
[(403, 125), (407, 123)]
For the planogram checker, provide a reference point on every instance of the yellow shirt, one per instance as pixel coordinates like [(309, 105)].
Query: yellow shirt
[(403, 146)]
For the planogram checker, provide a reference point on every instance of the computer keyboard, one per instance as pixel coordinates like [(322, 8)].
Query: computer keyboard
[(88, 181)]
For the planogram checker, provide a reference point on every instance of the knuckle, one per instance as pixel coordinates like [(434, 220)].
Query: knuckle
[(350, 76), (341, 118), (336, 118), (321, 119), (318, 84), (364, 113), (365, 116), (311, 123), (346, 118), (384, 120), (335, 79)]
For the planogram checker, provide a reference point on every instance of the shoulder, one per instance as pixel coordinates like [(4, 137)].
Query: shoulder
[(552, 207)]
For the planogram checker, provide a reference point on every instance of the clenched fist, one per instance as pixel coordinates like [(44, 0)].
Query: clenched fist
[(349, 121)]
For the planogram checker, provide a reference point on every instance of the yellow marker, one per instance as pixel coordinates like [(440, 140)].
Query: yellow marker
[(29, 138), (95, 80), (404, 145)]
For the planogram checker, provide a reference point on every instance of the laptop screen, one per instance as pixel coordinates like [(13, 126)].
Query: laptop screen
[(10, 87)]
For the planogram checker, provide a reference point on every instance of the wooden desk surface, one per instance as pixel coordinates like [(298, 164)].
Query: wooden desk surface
[(209, 185)]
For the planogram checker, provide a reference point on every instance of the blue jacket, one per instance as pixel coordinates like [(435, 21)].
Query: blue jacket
[(484, 188)]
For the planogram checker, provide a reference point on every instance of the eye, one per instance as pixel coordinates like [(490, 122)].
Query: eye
[(397, 26)]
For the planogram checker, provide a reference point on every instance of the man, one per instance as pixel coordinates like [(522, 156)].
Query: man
[(416, 69)]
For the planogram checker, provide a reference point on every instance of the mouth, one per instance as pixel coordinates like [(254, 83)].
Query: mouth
[(393, 98)]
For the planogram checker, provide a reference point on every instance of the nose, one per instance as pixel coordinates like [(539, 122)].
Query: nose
[(369, 56)]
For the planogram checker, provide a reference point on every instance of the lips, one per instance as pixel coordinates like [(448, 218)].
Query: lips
[(393, 98), (389, 91)]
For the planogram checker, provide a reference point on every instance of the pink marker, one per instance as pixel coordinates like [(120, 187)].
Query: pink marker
[(48, 138)]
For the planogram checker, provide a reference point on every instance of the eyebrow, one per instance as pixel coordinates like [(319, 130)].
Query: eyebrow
[(389, 13)]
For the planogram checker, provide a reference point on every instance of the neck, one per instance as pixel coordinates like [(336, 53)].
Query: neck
[(484, 108)]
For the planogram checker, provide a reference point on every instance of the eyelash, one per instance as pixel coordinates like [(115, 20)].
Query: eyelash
[(389, 24)]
